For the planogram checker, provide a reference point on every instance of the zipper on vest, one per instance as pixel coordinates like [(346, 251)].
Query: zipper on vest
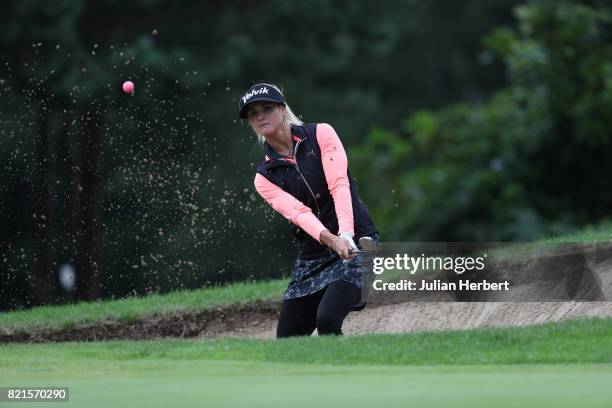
[(297, 167)]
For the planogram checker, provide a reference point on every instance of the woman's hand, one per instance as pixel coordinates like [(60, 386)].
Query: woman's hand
[(338, 244)]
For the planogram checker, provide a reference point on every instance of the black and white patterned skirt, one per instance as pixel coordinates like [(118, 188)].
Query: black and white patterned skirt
[(311, 275)]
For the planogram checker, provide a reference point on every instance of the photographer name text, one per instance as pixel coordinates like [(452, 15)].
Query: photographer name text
[(438, 285)]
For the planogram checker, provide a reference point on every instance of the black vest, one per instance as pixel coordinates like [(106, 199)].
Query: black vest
[(305, 180)]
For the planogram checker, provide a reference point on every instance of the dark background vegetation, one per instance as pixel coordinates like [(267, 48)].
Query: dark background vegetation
[(470, 120)]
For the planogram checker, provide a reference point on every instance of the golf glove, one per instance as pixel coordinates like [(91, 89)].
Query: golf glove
[(349, 238)]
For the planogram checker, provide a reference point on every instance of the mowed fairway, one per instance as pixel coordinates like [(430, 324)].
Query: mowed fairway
[(566, 364), (154, 383)]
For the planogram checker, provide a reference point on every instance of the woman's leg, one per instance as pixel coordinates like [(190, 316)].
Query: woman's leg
[(338, 300), (298, 316)]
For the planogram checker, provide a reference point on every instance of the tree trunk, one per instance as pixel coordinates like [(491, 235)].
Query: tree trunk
[(45, 280), (73, 209), (87, 282)]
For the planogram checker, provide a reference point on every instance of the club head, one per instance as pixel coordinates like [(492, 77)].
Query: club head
[(368, 244)]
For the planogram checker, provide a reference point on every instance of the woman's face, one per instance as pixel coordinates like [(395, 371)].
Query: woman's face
[(265, 118)]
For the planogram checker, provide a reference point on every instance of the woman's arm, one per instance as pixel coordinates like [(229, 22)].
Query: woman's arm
[(301, 215), (289, 207), (335, 165)]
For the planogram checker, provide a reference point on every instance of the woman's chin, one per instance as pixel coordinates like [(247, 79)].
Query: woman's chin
[(265, 130)]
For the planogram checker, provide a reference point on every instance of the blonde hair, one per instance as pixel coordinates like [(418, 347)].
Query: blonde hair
[(289, 117)]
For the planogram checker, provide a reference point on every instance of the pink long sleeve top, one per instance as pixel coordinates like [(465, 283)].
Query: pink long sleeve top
[(335, 165)]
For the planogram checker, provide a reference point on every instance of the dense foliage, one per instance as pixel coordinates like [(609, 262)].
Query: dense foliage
[(531, 161)]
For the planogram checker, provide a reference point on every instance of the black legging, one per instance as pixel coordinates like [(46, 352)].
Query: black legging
[(324, 310)]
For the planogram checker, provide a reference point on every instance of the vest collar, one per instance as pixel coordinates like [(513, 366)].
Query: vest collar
[(270, 155)]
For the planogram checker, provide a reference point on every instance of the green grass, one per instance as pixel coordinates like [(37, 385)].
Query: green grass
[(594, 233), (562, 364), (152, 383), (565, 364), (571, 341), (217, 384), (128, 309)]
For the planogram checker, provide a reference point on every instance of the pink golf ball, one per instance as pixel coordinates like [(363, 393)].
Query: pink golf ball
[(128, 87)]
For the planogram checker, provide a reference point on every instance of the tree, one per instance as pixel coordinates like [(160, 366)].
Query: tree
[(528, 162)]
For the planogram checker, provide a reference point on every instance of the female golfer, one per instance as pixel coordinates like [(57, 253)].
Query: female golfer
[(304, 175)]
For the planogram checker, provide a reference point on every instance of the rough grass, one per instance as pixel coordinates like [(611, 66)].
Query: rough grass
[(128, 309), (572, 341)]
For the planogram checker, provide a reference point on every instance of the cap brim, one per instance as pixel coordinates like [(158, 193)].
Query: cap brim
[(242, 113)]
